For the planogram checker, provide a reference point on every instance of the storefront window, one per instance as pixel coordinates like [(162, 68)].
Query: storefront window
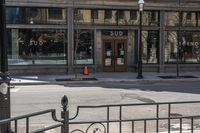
[(172, 18), (150, 46), (83, 16), (189, 47), (84, 47), (150, 18), (171, 46), (189, 19), (35, 15), (34, 46)]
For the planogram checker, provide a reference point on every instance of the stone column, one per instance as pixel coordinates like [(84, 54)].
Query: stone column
[(131, 49)]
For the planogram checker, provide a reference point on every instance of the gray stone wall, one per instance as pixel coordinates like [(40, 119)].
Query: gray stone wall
[(98, 48), (131, 48)]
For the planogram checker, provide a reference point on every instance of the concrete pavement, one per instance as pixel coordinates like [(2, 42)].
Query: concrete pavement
[(102, 77)]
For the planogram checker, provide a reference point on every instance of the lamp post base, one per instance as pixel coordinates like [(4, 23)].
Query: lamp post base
[(139, 76)]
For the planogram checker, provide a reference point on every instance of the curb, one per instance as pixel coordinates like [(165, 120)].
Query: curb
[(104, 81)]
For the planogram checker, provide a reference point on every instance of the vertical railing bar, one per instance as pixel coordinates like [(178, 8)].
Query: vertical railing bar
[(180, 125), (145, 126), (15, 126), (108, 111), (169, 114), (120, 118), (157, 116), (133, 126), (192, 128), (27, 125)]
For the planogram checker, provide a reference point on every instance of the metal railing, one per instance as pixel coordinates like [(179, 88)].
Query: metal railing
[(120, 124)]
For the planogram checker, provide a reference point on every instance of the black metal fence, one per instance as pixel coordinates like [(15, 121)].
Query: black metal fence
[(99, 119)]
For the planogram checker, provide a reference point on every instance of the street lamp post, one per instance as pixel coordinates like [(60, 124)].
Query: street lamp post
[(140, 76), (4, 78)]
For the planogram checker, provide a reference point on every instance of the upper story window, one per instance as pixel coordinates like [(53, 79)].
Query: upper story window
[(95, 14), (120, 14), (23, 15), (171, 18), (108, 14), (133, 15), (83, 16), (189, 19), (150, 18), (186, 18)]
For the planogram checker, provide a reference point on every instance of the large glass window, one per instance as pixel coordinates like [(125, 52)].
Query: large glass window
[(198, 18), (35, 15), (98, 16), (56, 16), (110, 17), (35, 46), (84, 47), (171, 18), (83, 16), (189, 47), (126, 17), (150, 18), (189, 19), (150, 46)]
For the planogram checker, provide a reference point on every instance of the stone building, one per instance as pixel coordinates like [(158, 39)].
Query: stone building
[(61, 36)]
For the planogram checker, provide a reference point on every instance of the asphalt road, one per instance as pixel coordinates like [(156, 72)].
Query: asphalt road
[(28, 99)]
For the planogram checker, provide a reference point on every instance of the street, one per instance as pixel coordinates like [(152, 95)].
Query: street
[(28, 99)]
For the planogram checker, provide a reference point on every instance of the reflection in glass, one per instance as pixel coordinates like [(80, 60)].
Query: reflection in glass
[(150, 18), (83, 16), (120, 53), (189, 47), (98, 16), (56, 16), (189, 19), (198, 17), (172, 18), (29, 46), (171, 46), (83, 46), (110, 17), (35, 15), (150, 46), (108, 54), (127, 17)]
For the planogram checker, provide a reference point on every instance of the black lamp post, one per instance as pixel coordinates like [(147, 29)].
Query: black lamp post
[(4, 77), (141, 5)]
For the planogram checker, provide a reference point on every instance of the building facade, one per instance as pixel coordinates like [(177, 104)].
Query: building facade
[(61, 36)]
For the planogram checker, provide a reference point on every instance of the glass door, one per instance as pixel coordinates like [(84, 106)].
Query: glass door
[(115, 55), (108, 55), (120, 55)]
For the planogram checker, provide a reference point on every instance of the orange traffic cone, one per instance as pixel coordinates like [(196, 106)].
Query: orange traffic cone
[(85, 70)]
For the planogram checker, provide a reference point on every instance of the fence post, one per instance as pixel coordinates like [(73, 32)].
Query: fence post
[(65, 115)]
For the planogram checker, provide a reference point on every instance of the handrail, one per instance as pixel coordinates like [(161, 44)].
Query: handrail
[(135, 104), (53, 111), (139, 119), (47, 128), (138, 104)]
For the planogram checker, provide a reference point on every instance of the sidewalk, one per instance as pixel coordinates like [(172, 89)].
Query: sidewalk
[(102, 77)]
